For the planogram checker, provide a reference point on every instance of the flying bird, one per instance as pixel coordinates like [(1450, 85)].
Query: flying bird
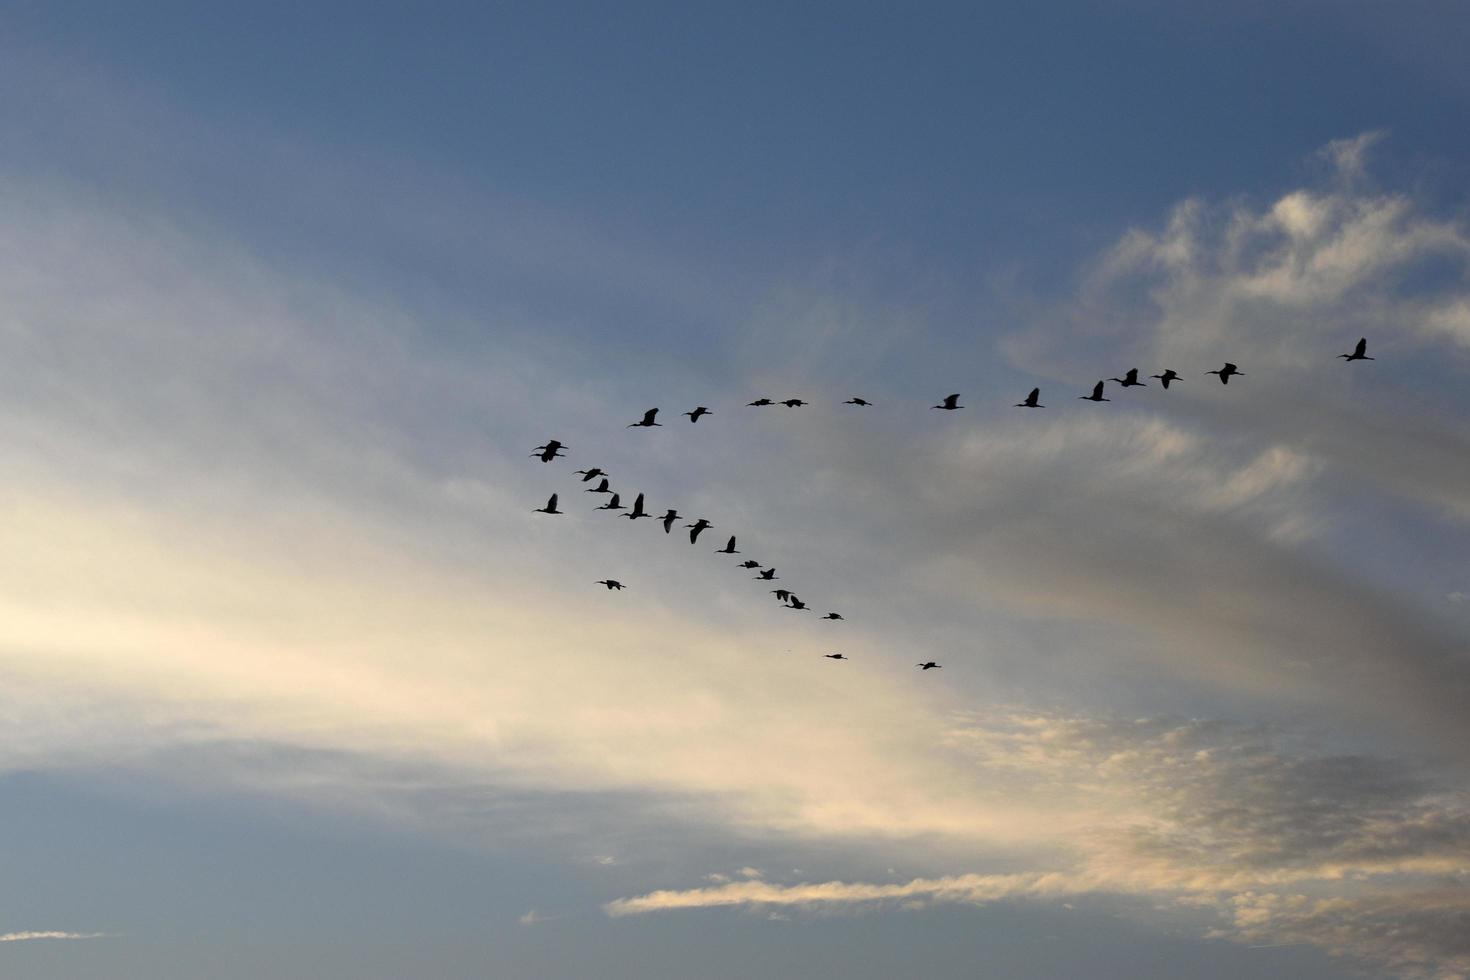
[(950, 403), (835, 656), (611, 584), (552, 450), (697, 526), (769, 575), (795, 603), (929, 665), (1130, 379), (1360, 352), (781, 594), (759, 402), (750, 564), (729, 548), (1225, 372), (612, 504), (592, 474), (637, 510), (600, 488), (646, 421), (833, 616), (1032, 400), (1096, 395), (1169, 375), (855, 400), (694, 415), (550, 507), (794, 403), (669, 520)]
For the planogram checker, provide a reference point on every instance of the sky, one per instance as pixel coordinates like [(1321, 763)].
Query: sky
[(294, 682)]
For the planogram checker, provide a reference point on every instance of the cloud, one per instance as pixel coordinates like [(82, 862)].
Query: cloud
[(1350, 853), (20, 937), (394, 623), (533, 918)]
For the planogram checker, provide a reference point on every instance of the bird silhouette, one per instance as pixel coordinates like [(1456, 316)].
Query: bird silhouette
[(781, 594), (592, 474), (600, 488), (550, 507), (750, 564), (694, 415), (794, 403), (835, 656), (697, 527), (1096, 395), (950, 403), (637, 510), (1032, 400), (929, 665), (611, 584), (646, 421), (833, 616), (855, 400), (552, 450), (759, 402), (1169, 375), (769, 575), (1130, 379), (1360, 352), (612, 504), (1225, 372), (729, 548), (669, 520), (795, 603)]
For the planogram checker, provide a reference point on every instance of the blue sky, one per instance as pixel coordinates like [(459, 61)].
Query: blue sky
[(295, 683)]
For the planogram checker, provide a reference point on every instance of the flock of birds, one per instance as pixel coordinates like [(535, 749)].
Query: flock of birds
[(552, 449)]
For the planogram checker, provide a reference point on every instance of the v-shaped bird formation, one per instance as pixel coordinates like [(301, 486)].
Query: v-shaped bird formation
[(552, 450)]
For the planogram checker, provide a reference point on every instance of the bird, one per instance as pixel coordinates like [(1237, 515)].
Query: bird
[(794, 403), (637, 510), (611, 584), (1225, 372), (646, 421), (855, 400), (1130, 380), (781, 594), (697, 526), (552, 450), (1360, 352), (612, 504), (769, 575), (600, 488), (1096, 395), (750, 564), (592, 474), (759, 402), (729, 548), (950, 403), (929, 665), (834, 656), (669, 520), (1031, 400), (550, 507), (833, 616), (1169, 375), (794, 603), (694, 415)]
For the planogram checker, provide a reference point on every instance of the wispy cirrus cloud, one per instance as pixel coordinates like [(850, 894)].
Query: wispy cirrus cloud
[(20, 937), (1360, 855)]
